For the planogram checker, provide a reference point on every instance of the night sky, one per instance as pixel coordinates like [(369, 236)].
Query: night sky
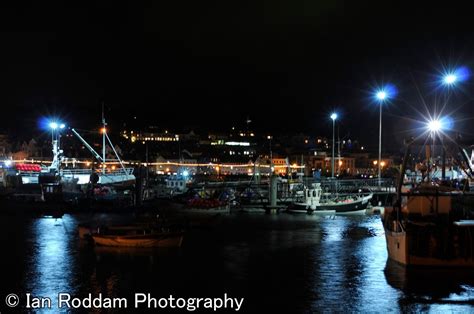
[(203, 64)]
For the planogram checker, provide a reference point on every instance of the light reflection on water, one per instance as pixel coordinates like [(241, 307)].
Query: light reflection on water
[(53, 260), (291, 263)]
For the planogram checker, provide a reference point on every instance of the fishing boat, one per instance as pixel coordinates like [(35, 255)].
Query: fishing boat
[(161, 239), (313, 203), (429, 225)]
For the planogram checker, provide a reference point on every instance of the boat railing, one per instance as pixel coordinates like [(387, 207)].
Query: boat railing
[(28, 173), (108, 172), (117, 172)]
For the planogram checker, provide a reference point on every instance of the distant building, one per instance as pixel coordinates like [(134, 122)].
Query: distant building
[(4, 145)]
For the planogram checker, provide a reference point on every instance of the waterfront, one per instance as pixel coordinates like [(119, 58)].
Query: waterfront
[(290, 263)]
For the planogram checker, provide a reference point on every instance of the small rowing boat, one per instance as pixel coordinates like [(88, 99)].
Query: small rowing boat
[(161, 239)]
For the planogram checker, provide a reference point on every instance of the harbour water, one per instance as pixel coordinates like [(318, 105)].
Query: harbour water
[(285, 263)]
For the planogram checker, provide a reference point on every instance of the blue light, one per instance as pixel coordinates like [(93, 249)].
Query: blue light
[(381, 95), (51, 123), (7, 163), (458, 75), (185, 173), (439, 124), (450, 79), (447, 123), (334, 116), (385, 93)]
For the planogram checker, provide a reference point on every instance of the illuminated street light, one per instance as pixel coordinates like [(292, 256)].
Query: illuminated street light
[(434, 126), (381, 96), (454, 76), (53, 125), (450, 79)]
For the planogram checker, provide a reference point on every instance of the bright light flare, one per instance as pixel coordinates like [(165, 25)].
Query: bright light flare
[(385, 93), (334, 116), (435, 126), (185, 173), (381, 95), (451, 78), (53, 125)]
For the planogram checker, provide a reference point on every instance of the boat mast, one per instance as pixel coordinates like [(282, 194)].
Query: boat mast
[(104, 130)]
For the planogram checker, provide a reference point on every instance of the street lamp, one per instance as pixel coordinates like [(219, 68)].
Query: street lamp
[(454, 76), (55, 138), (450, 79), (381, 96), (333, 117), (435, 127)]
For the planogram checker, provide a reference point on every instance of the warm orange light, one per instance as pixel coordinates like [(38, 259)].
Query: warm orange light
[(113, 167), (340, 162), (382, 163), (217, 169), (375, 162), (103, 130)]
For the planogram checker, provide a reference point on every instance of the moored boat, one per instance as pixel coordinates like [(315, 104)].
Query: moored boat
[(313, 203), (161, 239), (429, 226)]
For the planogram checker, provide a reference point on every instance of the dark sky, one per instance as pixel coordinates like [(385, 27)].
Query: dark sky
[(286, 64)]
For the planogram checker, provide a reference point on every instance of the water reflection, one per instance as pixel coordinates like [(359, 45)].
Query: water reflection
[(278, 263), (431, 288), (52, 257)]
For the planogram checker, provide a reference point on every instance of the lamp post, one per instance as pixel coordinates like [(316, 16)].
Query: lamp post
[(55, 137), (381, 97), (434, 127), (333, 118), (448, 80)]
